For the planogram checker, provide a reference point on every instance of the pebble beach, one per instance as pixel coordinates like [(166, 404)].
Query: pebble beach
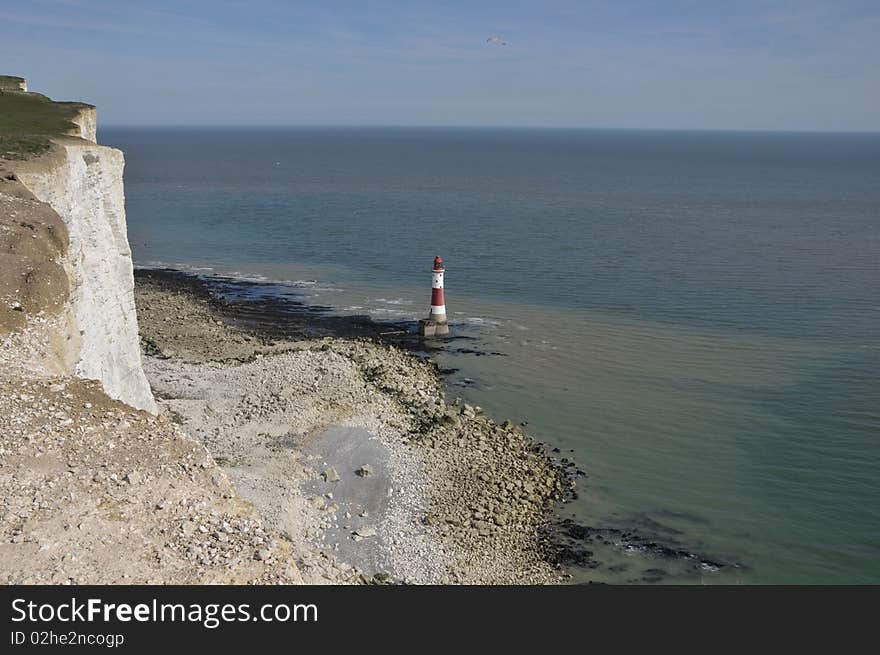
[(350, 448)]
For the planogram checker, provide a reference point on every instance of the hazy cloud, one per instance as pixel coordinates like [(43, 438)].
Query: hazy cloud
[(750, 64)]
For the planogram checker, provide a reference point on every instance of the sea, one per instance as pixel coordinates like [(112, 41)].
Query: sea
[(692, 317)]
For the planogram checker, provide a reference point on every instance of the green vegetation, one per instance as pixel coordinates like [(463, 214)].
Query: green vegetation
[(29, 120)]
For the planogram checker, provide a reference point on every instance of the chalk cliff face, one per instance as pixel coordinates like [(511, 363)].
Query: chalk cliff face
[(87, 122), (82, 182)]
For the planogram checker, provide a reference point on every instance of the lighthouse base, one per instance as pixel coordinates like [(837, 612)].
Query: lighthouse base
[(429, 328)]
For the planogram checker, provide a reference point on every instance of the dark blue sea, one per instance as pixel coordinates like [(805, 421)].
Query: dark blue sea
[(695, 314)]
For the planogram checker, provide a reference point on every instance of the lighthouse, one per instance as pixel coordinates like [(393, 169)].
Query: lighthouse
[(435, 325)]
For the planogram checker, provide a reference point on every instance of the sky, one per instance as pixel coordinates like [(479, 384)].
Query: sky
[(674, 64)]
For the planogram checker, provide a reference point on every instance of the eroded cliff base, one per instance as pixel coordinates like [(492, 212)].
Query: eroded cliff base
[(95, 492), (33, 242)]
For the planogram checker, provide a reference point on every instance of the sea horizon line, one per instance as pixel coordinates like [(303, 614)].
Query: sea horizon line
[(499, 128)]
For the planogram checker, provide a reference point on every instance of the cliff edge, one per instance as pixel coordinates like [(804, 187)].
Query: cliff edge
[(66, 296), (85, 474)]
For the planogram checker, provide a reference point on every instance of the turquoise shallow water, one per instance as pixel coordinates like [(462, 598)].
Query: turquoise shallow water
[(694, 314)]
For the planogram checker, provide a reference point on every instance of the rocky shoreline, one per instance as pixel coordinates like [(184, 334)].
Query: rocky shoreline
[(448, 494)]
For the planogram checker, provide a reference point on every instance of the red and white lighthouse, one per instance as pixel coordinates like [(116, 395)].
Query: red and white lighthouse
[(438, 302), (435, 325)]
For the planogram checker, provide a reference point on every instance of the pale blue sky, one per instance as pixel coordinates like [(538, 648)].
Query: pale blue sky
[(678, 64)]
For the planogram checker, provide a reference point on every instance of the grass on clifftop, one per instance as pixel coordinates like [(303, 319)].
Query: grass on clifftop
[(29, 120)]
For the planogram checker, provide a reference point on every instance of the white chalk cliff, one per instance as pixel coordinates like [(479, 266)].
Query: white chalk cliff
[(82, 182)]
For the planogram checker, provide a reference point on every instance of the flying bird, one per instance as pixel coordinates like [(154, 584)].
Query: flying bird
[(497, 40)]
